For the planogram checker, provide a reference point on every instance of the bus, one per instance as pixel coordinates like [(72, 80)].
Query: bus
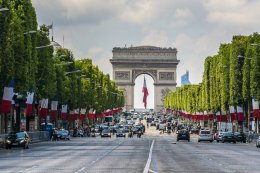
[(110, 120)]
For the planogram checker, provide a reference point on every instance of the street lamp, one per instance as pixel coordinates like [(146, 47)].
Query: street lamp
[(70, 72), (254, 44), (241, 56), (66, 63), (4, 9), (49, 45), (30, 32)]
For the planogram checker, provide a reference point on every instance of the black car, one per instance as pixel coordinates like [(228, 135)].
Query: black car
[(194, 130), (228, 137), (105, 133), (17, 139), (183, 135), (240, 137), (119, 133), (136, 130)]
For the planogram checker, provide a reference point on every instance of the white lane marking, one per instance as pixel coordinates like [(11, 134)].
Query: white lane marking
[(146, 169), (100, 157), (28, 169), (82, 169), (152, 171)]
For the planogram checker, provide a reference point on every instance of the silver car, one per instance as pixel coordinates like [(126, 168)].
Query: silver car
[(205, 135), (219, 136), (258, 142)]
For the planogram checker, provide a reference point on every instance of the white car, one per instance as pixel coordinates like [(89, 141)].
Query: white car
[(258, 142), (162, 126), (205, 135)]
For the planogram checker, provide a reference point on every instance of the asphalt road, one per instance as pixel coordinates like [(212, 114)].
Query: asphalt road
[(151, 153)]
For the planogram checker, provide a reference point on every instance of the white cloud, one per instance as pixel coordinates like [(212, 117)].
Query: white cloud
[(233, 13), (183, 13), (137, 11), (154, 38)]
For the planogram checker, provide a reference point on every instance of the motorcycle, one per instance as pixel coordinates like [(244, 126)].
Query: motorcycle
[(139, 134), (130, 135), (168, 130)]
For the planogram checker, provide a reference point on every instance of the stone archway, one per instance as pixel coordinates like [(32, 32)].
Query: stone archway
[(159, 63)]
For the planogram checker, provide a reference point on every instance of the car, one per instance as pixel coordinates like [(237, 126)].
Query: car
[(218, 136), (63, 134), (136, 129), (126, 129), (228, 137), (119, 133), (183, 135), (105, 133), (258, 142), (240, 137), (18, 139), (205, 135), (194, 130), (153, 123)]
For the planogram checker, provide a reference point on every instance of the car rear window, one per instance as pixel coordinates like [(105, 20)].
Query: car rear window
[(205, 132)]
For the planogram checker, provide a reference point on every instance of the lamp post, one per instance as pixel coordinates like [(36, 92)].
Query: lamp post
[(4, 9), (30, 32), (71, 72)]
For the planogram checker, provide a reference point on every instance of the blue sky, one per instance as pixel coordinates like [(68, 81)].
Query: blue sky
[(91, 28)]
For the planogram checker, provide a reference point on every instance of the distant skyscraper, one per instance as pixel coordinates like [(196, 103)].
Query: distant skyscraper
[(185, 79)]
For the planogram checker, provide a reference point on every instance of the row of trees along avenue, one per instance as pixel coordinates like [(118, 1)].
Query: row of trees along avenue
[(231, 82), (27, 58)]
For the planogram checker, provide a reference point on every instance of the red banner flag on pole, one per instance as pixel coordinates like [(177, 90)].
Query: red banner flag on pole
[(44, 108), (54, 110), (7, 98), (64, 111), (145, 91), (29, 102)]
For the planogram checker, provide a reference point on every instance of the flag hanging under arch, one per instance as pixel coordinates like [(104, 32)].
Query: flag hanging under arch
[(145, 91)]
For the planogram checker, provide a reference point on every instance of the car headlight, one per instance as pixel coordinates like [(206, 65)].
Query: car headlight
[(8, 142), (22, 141)]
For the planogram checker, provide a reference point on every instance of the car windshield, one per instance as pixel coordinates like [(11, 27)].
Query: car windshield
[(105, 131), (20, 135), (228, 134)]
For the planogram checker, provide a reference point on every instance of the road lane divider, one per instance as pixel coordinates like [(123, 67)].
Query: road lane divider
[(100, 157), (147, 166)]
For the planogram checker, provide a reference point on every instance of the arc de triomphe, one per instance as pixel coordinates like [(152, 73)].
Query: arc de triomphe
[(159, 63)]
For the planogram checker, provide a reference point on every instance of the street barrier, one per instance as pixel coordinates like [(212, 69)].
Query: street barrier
[(38, 136), (2, 140)]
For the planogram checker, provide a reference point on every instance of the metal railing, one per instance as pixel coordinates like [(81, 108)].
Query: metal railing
[(251, 137)]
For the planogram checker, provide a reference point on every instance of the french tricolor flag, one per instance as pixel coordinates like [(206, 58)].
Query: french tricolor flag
[(240, 114), (44, 108), (54, 110), (7, 98), (64, 110), (82, 116), (256, 112), (29, 102)]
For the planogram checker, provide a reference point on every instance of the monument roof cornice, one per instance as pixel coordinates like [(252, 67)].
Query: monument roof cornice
[(144, 48), (151, 61)]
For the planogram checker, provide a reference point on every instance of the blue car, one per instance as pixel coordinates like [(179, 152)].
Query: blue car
[(119, 133)]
